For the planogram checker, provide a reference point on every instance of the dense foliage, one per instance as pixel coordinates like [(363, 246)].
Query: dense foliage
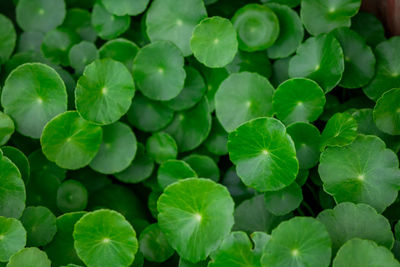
[(194, 133)]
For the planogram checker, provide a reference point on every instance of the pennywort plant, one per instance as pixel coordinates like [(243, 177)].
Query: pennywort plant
[(198, 133)]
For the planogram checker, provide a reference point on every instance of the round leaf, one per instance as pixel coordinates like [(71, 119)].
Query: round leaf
[(174, 20), (107, 25), (257, 27), (369, 27), (148, 115), (217, 140), (359, 60), (301, 241), (154, 245), (291, 31), (158, 70), (283, 201), (8, 38), (81, 55), (70, 141), (117, 150), (191, 127), (348, 220), (32, 95), (298, 99), (71, 196), (353, 173), (12, 189), (172, 171), (252, 100), (125, 7), (13, 237), (387, 74), (105, 238), (40, 15), (387, 112), (320, 59), (40, 224), (358, 252), (20, 160), (321, 16), (121, 50), (29, 257), (306, 138), (141, 168), (264, 154), (214, 42), (192, 92), (6, 128), (161, 147), (204, 166), (104, 93), (340, 130), (195, 213)]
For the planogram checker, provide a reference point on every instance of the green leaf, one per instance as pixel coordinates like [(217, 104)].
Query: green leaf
[(107, 25), (214, 42), (71, 196), (366, 253), (29, 257), (70, 141), (117, 151), (12, 189), (40, 224), (320, 59), (7, 128), (57, 43), (283, 201), (104, 93), (257, 27), (105, 238), (192, 92), (301, 241), (264, 154), (306, 138), (8, 38), (154, 245), (290, 3), (387, 112), (161, 147), (204, 166), (121, 50), (353, 173), (322, 16), (172, 171), (20, 160), (140, 169), (237, 250), (252, 215), (158, 70), (217, 140), (79, 21), (40, 15), (257, 62), (190, 128), (252, 100), (148, 115), (359, 60), (291, 31), (347, 221), (387, 74), (32, 95), (174, 20), (13, 237), (61, 249), (126, 7), (81, 55), (340, 130), (298, 99), (369, 27), (195, 213)]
